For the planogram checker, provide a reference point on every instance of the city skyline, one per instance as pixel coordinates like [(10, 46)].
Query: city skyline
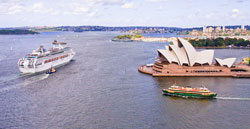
[(182, 13)]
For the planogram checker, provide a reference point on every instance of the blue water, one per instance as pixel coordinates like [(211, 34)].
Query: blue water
[(102, 88)]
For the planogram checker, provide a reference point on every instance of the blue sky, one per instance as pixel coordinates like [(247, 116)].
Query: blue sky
[(172, 13)]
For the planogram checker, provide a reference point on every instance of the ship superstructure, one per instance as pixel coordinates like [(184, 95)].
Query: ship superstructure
[(41, 59)]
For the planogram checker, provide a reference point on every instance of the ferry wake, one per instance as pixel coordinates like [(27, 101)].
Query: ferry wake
[(41, 60)]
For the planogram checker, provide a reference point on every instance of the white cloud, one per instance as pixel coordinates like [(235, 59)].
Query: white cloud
[(235, 13), (108, 2), (156, 0), (70, 7), (98, 2), (15, 9), (209, 16), (79, 9), (128, 5), (40, 7), (93, 13), (56, 12), (37, 7)]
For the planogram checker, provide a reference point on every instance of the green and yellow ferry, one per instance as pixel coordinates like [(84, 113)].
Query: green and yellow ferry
[(180, 91)]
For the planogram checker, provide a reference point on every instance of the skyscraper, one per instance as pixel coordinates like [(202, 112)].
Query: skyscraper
[(218, 29), (204, 29), (242, 27)]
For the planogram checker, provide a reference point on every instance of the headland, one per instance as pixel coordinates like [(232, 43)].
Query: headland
[(16, 32)]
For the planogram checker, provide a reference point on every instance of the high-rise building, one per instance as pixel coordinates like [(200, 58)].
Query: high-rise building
[(242, 27), (210, 29), (238, 30), (204, 29), (223, 28), (218, 29)]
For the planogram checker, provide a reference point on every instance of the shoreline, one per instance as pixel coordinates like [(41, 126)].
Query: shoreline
[(222, 47), (18, 32), (164, 41)]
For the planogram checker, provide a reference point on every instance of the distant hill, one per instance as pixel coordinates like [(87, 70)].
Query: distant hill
[(129, 28), (16, 32), (147, 29)]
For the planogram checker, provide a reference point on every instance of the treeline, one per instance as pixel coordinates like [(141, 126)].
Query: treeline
[(219, 42), (17, 31)]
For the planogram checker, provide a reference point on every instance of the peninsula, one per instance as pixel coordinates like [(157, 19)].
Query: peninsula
[(126, 37), (16, 32)]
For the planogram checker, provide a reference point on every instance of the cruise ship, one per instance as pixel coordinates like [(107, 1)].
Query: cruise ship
[(42, 60)]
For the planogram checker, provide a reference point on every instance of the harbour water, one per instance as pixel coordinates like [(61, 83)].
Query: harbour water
[(101, 88)]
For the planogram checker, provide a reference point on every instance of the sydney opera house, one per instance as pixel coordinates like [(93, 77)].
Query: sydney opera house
[(180, 58)]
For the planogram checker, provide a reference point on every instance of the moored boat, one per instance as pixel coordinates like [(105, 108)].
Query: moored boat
[(180, 91)]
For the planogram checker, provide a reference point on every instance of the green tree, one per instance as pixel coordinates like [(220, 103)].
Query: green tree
[(219, 42)]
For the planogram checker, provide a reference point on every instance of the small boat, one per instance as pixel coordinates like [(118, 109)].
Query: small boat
[(180, 91), (52, 70)]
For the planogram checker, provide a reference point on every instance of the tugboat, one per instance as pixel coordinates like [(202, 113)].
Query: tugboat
[(52, 70), (180, 91)]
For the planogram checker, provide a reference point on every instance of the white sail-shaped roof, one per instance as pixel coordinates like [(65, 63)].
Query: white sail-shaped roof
[(170, 56), (225, 62), (175, 42), (190, 51), (173, 55), (180, 54), (204, 57)]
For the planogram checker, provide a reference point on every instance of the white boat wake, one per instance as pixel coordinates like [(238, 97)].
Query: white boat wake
[(34, 79), (9, 78), (8, 88), (2, 58), (231, 98), (26, 82), (12, 77)]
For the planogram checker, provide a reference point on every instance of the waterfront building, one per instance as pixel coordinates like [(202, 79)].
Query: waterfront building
[(223, 28), (181, 59)]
